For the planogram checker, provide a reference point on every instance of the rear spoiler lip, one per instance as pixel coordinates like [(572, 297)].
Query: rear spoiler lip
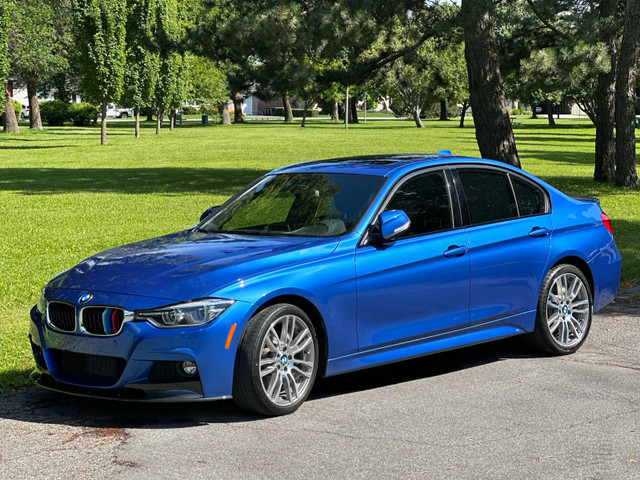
[(586, 198)]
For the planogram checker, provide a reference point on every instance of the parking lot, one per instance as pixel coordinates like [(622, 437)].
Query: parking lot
[(491, 411)]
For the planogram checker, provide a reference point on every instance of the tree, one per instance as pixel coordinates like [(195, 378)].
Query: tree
[(604, 105), (488, 103), (141, 72), (4, 57), (100, 33), (209, 85), (626, 174), (34, 51), (172, 85)]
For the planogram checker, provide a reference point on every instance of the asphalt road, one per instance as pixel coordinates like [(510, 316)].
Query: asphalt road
[(487, 412)]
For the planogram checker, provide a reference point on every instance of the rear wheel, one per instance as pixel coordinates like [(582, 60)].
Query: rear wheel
[(124, 115), (565, 308), (277, 361)]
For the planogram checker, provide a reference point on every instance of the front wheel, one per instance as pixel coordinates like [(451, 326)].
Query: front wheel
[(565, 308), (277, 361)]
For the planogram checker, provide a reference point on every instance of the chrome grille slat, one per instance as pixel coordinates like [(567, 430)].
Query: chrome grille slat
[(62, 316), (101, 320)]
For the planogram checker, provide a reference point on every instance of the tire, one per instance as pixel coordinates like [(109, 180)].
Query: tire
[(565, 310), (277, 361), (124, 115)]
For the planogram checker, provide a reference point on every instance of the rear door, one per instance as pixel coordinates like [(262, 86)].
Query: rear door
[(508, 228)]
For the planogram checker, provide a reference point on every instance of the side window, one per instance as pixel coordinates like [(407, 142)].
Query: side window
[(531, 200), (425, 200), (489, 195)]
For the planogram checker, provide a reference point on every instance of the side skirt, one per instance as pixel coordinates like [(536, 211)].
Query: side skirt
[(495, 330)]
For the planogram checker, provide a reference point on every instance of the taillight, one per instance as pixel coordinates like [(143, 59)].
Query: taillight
[(606, 221)]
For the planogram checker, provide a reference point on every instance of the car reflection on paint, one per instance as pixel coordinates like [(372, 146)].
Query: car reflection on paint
[(323, 268)]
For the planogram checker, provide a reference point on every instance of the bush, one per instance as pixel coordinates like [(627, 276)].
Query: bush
[(527, 113), (297, 112), (17, 107), (55, 112), (190, 110), (516, 111), (82, 113)]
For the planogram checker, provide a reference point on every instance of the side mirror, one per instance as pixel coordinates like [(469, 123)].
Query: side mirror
[(208, 212), (392, 223)]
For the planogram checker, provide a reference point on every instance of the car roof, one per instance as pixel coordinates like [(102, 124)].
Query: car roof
[(383, 165)]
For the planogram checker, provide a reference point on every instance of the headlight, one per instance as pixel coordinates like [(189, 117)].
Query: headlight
[(42, 303), (197, 312)]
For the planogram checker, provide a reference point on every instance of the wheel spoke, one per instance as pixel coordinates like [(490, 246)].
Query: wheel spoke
[(576, 288), (267, 338), (293, 386), (296, 346), (275, 386), (268, 365), (301, 372), (579, 304), (576, 326), (553, 322)]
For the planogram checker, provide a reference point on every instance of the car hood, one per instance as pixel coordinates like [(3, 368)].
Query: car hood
[(188, 265)]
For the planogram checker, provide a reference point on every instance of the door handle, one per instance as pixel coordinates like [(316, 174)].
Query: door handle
[(537, 232), (455, 251)]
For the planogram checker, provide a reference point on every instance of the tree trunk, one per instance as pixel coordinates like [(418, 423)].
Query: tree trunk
[(103, 122), (288, 113), (354, 110), (335, 116), (225, 118), (443, 110), (550, 113), (237, 108), (465, 106), (415, 112), (35, 122), (149, 114), (626, 174), (605, 97), (136, 114), (10, 119), (159, 114), (304, 114), (488, 104)]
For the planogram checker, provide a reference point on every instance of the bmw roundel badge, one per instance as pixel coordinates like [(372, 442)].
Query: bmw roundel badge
[(86, 297)]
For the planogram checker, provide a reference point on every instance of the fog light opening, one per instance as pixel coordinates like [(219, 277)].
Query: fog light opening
[(189, 368)]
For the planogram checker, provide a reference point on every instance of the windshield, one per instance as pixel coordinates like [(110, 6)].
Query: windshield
[(298, 204)]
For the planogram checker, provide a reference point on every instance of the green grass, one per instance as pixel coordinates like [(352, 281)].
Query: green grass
[(64, 197)]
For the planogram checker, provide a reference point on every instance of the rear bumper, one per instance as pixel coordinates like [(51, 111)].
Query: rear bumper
[(605, 268)]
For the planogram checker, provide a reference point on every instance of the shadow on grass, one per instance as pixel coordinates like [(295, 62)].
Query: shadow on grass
[(562, 156), (167, 180), (37, 405), (31, 147)]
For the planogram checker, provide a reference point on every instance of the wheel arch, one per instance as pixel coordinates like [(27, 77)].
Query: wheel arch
[(581, 265), (316, 318)]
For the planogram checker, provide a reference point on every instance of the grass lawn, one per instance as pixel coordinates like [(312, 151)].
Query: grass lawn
[(64, 197)]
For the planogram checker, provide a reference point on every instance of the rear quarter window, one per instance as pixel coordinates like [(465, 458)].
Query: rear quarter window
[(531, 199)]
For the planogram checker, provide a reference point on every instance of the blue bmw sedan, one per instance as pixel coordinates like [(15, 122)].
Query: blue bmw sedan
[(323, 268)]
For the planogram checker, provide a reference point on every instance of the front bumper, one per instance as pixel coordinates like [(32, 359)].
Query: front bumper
[(142, 362)]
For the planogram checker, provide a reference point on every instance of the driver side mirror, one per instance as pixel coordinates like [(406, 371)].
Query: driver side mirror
[(392, 223), (208, 212)]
